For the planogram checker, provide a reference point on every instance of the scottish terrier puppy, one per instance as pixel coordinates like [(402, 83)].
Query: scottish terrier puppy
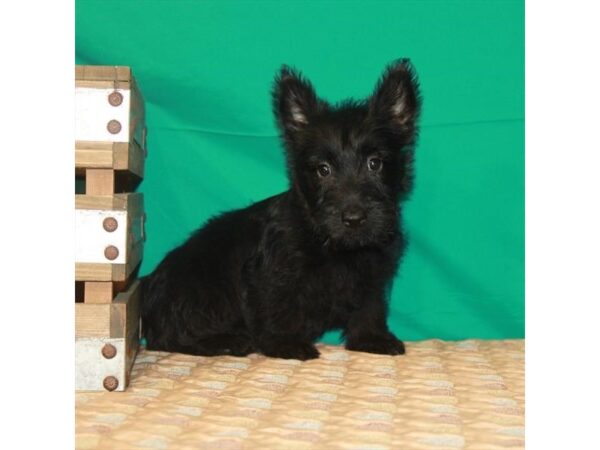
[(273, 277)]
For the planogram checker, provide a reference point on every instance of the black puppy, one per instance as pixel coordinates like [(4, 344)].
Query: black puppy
[(273, 277)]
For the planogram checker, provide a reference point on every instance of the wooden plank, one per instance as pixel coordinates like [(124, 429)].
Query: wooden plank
[(135, 205), (103, 84), (111, 73), (97, 120), (94, 272), (98, 292), (93, 235), (91, 368), (125, 313), (131, 329), (92, 320), (137, 113), (110, 155), (122, 271), (121, 152), (132, 344), (132, 202), (115, 319), (94, 158), (136, 159), (99, 181), (110, 78), (117, 202)]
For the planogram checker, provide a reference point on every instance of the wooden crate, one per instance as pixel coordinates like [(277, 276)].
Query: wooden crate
[(106, 342), (109, 236), (109, 107), (110, 151), (110, 130)]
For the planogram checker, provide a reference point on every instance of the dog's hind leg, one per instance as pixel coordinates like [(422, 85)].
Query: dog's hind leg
[(222, 344)]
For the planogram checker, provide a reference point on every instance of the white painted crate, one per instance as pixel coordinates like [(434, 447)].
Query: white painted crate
[(108, 106), (109, 234)]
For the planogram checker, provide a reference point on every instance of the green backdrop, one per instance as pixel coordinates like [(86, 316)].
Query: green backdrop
[(205, 69)]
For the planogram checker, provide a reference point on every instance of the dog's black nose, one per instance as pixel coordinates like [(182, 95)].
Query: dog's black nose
[(354, 217)]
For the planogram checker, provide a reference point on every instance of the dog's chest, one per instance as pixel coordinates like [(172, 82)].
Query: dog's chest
[(338, 285)]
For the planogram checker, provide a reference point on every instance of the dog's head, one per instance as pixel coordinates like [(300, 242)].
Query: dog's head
[(350, 164)]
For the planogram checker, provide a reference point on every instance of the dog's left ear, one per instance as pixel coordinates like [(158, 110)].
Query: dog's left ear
[(396, 102), (294, 101)]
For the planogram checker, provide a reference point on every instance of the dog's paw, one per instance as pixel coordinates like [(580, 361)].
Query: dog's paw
[(383, 345), (290, 350), (237, 345)]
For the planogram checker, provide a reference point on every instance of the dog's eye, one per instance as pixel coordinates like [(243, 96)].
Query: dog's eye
[(374, 164), (324, 170)]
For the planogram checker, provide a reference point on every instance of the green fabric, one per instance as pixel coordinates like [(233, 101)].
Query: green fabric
[(205, 69)]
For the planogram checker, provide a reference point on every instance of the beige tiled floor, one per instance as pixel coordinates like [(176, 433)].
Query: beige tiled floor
[(440, 395)]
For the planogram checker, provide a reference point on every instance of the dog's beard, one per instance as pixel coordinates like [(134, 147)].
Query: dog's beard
[(378, 231)]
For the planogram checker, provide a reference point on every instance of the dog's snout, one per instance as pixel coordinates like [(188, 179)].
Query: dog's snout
[(354, 217)]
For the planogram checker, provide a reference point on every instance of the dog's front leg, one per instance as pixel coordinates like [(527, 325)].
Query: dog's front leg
[(367, 331), (287, 347), (284, 330)]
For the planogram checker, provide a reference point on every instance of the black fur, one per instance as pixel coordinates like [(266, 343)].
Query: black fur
[(273, 277)]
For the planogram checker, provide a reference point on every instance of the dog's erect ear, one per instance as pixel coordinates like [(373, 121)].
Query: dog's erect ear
[(294, 100), (396, 101)]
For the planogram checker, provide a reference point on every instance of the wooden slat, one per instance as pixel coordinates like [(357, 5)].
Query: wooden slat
[(121, 152), (126, 312), (98, 292), (132, 344), (117, 202), (103, 84), (94, 271), (132, 202), (135, 205), (122, 271), (136, 159), (110, 155), (117, 319), (99, 181), (92, 320), (106, 73), (94, 158), (137, 121), (91, 369)]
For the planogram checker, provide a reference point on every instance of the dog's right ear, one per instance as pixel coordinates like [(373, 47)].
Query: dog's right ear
[(294, 101)]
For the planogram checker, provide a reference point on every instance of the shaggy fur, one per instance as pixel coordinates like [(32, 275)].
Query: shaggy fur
[(273, 277)]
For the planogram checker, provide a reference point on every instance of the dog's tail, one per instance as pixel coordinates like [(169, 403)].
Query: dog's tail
[(153, 289)]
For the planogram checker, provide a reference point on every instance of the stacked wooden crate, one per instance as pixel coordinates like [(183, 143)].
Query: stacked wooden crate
[(110, 149)]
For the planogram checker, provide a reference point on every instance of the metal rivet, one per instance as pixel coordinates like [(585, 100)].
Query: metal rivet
[(111, 252), (113, 126), (109, 351), (110, 224), (115, 98), (110, 383)]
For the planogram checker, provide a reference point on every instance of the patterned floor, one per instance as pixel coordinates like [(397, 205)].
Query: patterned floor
[(440, 395)]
